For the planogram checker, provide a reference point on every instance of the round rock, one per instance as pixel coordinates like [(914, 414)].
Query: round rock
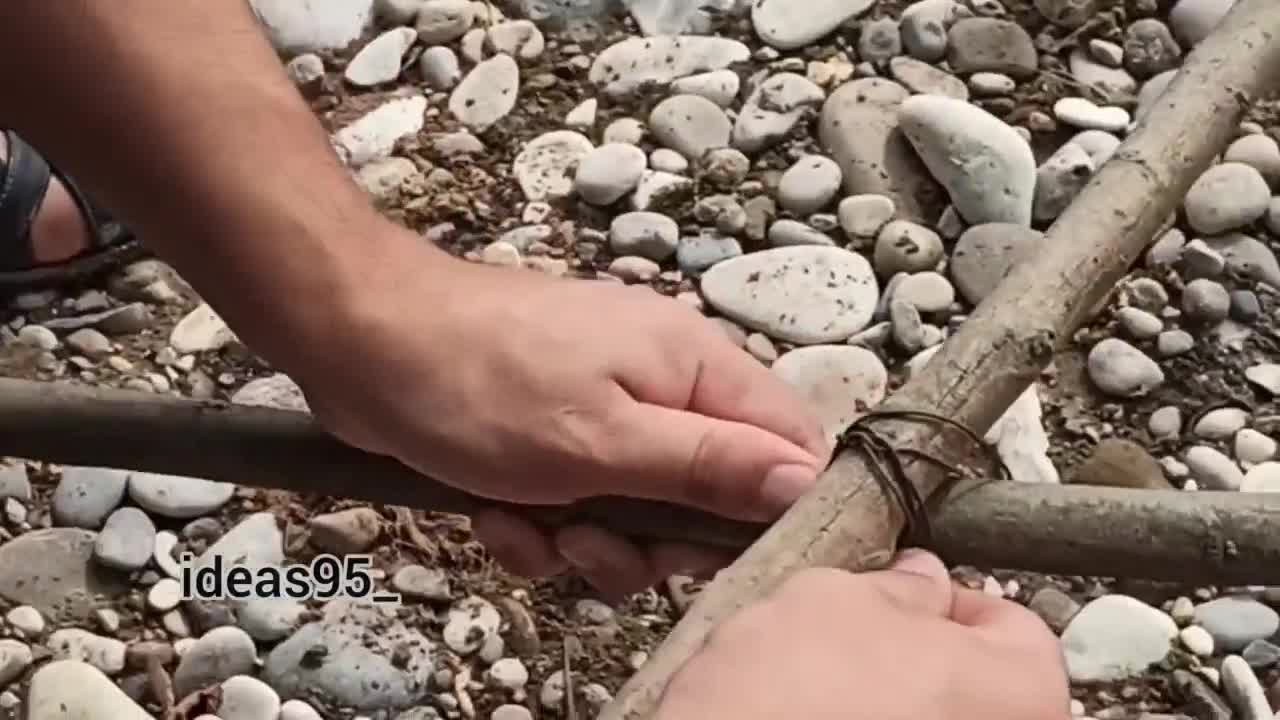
[(178, 497), (986, 253), (74, 689), (543, 168), (1234, 622), (1122, 370), (609, 172), (836, 380), (1116, 637), (646, 234), (778, 24), (690, 124), (126, 540), (1226, 197), (85, 496), (487, 94), (904, 246), (982, 44), (806, 295), (809, 185)]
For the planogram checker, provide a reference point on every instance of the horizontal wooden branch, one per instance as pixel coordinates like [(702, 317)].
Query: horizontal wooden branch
[(1165, 535)]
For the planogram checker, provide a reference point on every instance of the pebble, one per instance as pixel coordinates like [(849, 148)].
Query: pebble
[(74, 689), (379, 61), (690, 124), (1226, 197), (487, 94), (880, 40), (277, 391), (1206, 301), (793, 232), (1084, 114), (1055, 607), (835, 381), (416, 581), (809, 185), (927, 292), (1248, 257), (719, 86), (1122, 370), (126, 540), (863, 216), (1110, 81), (1234, 622), (1266, 376), (923, 78), (1243, 690), (1213, 470), (804, 294), (777, 23), (1197, 260), (1245, 306), (1150, 48), (637, 61), (989, 84), (1260, 152), (519, 38), (90, 343), (772, 110), (312, 27), (26, 620), (298, 710), (15, 658), (1261, 654), (667, 160), (85, 496), (509, 674), (985, 254), (254, 541), (627, 131), (859, 128), (443, 21), (1115, 637), (924, 28), (374, 135), (1193, 20), (104, 653), (511, 712), (471, 622), (1138, 323), (646, 234), (1059, 180), (248, 698), (609, 172), (697, 253), (1197, 640), (202, 330), (1165, 422), (1067, 13), (1172, 343), (1252, 447), (1098, 144), (634, 269), (988, 170), (440, 68), (904, 246), (345, 532), (165, 595), (1221, 424), (551, 696), (1263, 477), (219, 654), (1182, 611), (544, 167), (981, 44), (178, 497)]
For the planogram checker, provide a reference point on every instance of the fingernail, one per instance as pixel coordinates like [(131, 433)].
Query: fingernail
[(918, 562), (784, 484)]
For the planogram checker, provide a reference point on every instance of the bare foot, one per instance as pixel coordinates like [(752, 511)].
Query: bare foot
[(59, 231)]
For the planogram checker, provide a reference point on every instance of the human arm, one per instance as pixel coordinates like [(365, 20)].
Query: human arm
[(177, 115)]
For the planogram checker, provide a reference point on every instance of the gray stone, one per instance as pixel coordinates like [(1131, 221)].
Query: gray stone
[(690, 124), (248, 698), (443, 21), (667, 160), (784, 233), (907, 247), (1122, 370), (646, 234), (1059, 180), (1260, 152), (1055, 607), (1201, 700), (1245, 306), (379, 61), (809, 185), (275, 391), (416, 581), (859, 127), (986, 253), (991, 45), (295, 27), (518, 38), (835, 381), (1242, 688), (1067, 13), (1261, 654), (1172, 343), (15, 658), (863, 216), (66, 584), (1139, 324), (178, 497), (1081, 113), (778, 24), (1098, 144), (1234, 622), (1165, 422), (1149, 48), (1252, 447), (471, 622), (1206, 301), (74, 689), (1116, 637), (104, 653), (638, 61), (923, 78), (221, 653), (987, 168), (1213, 470), (269, 619), (879, 40), (345, 532), (991, 84), (697, 253), (255, 541), (397, 12), (85, 496), (487, 94), (1110, 81), (772, 110), (719, 86), (928, 292), (544, 168), (1198, 260), (298, 710), (806, 294), (440, 68), (609, 172), (374, 135), (924, 28), (126, 541), (1265, 376), (1226, 197)]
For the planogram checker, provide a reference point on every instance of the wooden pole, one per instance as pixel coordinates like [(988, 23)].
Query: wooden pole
[(846, 521), (1203, 537)]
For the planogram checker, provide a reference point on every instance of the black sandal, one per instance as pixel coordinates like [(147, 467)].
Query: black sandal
[(24, 180)]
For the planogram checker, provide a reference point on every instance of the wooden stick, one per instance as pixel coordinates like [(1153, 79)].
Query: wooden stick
[(846, 521), (1206, 538)]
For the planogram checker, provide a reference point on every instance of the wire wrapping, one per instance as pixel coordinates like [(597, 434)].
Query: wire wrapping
[(886, 464)]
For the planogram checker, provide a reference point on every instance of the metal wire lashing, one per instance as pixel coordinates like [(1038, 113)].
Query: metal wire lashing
[(886, 463)]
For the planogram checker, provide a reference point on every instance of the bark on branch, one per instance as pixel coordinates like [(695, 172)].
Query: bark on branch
[(1225, 538)]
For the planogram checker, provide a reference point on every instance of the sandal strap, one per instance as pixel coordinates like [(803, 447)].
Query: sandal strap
[(23, 186)]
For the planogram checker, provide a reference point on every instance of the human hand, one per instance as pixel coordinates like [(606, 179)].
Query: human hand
[(518, 386), (899, 644)]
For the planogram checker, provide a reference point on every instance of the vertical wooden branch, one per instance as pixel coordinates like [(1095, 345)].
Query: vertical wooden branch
[(846, 521)]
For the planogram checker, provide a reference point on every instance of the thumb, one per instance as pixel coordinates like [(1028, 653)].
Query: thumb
[(729, 468), (916, 582)]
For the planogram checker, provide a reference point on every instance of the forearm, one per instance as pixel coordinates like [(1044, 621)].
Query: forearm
[(178, 116)]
